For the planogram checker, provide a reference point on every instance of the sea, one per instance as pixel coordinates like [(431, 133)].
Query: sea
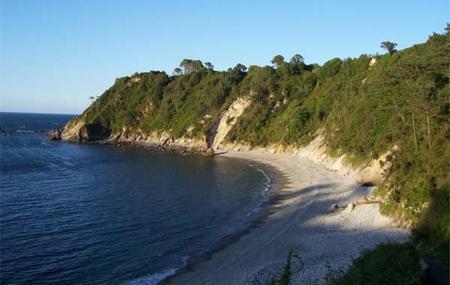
[(96, 214)]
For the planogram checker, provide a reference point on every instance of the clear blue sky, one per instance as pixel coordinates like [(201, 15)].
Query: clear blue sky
[(55, 54)]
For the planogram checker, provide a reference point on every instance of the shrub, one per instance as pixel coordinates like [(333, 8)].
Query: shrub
[(393, 264)]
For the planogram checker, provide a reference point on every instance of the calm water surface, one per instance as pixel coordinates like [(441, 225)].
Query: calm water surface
[(89, 214)]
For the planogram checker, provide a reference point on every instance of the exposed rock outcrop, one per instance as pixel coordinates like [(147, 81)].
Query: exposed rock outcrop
[(371, 173), (71, 131), (55, 135), (316, 150), (228, 120), (78, 131), (161, 141)]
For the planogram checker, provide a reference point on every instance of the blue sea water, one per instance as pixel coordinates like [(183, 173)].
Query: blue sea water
[(92, 214)]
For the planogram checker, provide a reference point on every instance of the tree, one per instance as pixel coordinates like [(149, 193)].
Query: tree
[(297, 59), (448, 29), (197, 65), (190, 65), (240, 68), (177, 71), (237, 72), (277, 60), (92, 98), (389, 46), (209, 65), (297, 63), (186, 64)]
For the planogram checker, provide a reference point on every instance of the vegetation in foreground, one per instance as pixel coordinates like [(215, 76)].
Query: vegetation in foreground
[(396, 103), (394, 264)]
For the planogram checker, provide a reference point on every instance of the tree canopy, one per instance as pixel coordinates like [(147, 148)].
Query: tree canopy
[(190, 65), (209, 65), (389, 46), (277, 60), (177, 71)]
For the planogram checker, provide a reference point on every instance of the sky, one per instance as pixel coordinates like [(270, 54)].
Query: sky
[(55, 54)]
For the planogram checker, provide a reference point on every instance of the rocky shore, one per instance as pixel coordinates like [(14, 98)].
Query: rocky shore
[(157, 147), (78, 132)]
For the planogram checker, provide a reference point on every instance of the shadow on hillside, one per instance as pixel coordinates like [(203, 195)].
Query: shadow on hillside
[(432, 231)]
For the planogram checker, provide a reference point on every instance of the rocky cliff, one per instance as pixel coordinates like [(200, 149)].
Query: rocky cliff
[(78, 130)]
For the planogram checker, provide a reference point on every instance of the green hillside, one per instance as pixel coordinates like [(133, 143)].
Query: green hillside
[(365, 107)]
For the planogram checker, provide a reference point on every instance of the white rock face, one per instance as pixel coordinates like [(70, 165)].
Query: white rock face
[(229, 118), (71, 131), (373, 171), (316, 151)]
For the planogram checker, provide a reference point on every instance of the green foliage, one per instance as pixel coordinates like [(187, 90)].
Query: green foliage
[(209, 65), (433, 229), (190, 65), (123, 104), (394, 264), (278, 114), (288, 270), (177, 71), (391, 263), (156, 102), (277, 60), (389, 46)]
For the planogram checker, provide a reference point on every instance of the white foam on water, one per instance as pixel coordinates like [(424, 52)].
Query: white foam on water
[(157, 277), (265, 192), (24, 131), (268, 180)]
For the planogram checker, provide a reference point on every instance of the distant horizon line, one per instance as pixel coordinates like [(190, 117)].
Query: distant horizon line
[(38, 113)]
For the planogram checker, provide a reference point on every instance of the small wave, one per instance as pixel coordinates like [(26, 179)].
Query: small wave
[(25, 131), (265, 192), (155, 278), (268, 180)]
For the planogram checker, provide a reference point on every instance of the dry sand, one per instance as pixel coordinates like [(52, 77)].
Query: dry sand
[(301, 222)]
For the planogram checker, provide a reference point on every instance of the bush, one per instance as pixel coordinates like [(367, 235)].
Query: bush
[(288, 270), (393, 264)]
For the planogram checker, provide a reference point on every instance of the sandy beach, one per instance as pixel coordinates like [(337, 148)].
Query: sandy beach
[(301, 222)]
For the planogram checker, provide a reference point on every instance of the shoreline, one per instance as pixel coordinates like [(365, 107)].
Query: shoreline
[(297, 218), (305, 189), (276, 182)]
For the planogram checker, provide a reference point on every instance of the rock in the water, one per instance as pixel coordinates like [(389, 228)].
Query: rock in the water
[(209, 152), (55, 135)]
